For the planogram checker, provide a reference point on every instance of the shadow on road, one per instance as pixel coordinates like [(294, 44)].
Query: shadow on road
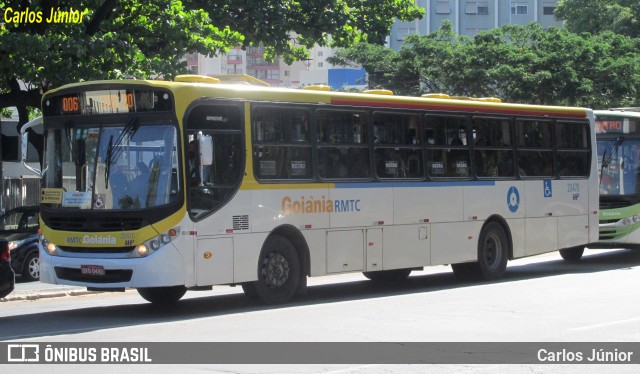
[(86, 319)]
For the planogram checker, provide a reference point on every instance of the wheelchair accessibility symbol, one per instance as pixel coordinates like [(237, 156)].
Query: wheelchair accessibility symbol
[(513, 199), (548, 192)]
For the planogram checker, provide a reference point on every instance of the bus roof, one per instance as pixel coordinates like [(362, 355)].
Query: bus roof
[(209, 88), (618, 113)]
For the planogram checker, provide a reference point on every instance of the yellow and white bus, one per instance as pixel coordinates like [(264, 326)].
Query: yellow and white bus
[(173, 186)]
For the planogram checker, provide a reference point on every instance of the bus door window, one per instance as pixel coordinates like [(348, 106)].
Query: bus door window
[(214, 156)]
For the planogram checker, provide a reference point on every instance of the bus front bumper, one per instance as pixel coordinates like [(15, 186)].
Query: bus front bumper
[(163, 268)]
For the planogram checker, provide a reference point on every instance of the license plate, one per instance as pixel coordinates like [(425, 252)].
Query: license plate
[(92, 270)]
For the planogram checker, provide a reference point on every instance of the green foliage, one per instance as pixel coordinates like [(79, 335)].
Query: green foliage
[(147, 39), (526, 64), (618, 16)]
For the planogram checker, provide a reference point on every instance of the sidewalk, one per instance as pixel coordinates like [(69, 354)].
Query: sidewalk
[(48, 291)]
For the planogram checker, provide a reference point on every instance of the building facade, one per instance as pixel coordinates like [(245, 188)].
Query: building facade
[(470, 17), (313, 71)]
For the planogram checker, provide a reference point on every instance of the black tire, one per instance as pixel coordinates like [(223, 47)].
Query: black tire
[(31, 267), (162, 295), (278, 272), (250, 292), (493, 252), (465, 271), (572, 254), (397, 275)]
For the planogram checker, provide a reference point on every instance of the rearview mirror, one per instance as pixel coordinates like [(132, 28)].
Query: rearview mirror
[(24, 144)]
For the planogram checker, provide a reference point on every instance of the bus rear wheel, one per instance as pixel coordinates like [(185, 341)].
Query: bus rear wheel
[(465, 271), (493, 251), (572, 254), (162, 295), (278, 272), (397, 275)]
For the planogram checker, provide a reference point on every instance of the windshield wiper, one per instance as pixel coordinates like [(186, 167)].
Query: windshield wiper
[(114, 150), (107, 167), (606, 159)]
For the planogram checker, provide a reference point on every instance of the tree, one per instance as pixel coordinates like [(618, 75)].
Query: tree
[(526, 64), (144, 39), (619, 16)]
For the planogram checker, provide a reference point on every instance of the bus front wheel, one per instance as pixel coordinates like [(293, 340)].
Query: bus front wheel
[(162, 295), (278, 272), (572, 254)]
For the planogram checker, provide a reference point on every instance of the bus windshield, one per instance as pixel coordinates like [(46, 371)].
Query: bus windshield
[(115, 167), (618, 166)]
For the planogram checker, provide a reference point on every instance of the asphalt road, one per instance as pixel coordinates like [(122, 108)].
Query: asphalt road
[(541, 299)]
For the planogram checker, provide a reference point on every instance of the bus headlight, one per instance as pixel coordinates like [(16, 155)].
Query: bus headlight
[(142, 250), (630, 220), (155, 243), (165, 238), (49, 247)]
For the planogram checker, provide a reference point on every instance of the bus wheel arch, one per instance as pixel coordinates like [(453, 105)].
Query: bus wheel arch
[(572, 254), (162, 295), (282, 269), (507, 230), (495, 248)]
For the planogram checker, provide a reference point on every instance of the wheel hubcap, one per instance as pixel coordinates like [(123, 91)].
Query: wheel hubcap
[(34, 268), (275, 270), (492, 250)]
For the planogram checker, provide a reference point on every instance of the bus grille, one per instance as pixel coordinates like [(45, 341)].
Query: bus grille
[(105, 224), (97, 249), (614, 204), (607, 221), (607, 234), (110, 276)]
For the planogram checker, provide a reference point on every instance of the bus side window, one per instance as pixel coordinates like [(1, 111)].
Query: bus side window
[(286, 156), (447, 155), (535, 148)]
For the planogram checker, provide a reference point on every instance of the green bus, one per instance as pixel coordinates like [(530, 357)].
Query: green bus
[(618, 139)]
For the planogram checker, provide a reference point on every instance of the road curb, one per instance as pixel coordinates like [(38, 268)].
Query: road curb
[(47, 295)]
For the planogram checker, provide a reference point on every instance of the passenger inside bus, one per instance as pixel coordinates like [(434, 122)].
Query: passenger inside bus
[(118, 183), (139, 185)]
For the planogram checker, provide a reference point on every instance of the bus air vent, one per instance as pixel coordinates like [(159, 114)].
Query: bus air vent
[(317, 87), (193, 78), (489, 99), (240, 79), (378, 92), (436, 96), (241, 222)]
